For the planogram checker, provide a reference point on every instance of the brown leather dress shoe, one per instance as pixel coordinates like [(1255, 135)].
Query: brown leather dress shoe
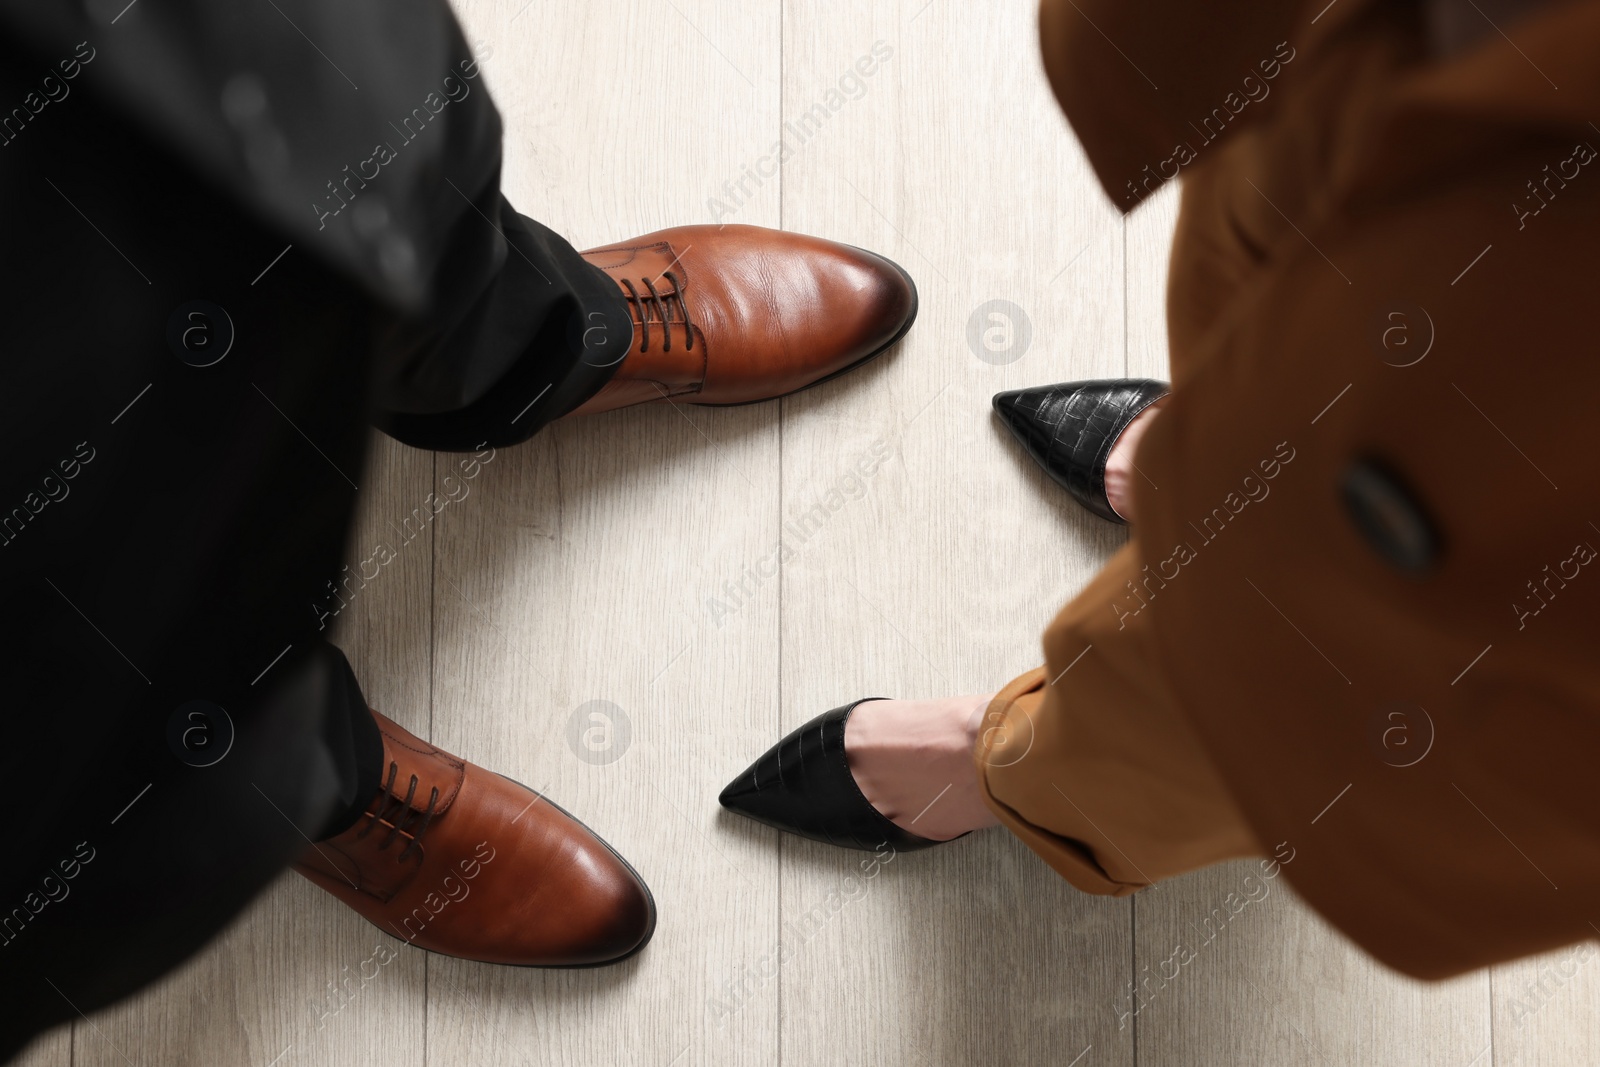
[(462, 861), (735, 314)]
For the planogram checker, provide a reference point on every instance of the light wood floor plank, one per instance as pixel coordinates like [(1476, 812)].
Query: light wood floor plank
[(1546, 1007), (53, 1049), (1234, 968), (935, 574), (576, 649)]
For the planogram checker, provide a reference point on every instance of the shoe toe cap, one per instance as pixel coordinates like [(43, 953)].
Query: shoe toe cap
[(606, 911), (619, 920), (881, 300), (839, 305), (783, 310), (569, 899)]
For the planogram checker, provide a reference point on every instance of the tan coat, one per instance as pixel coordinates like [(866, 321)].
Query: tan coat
[(1383, 303)]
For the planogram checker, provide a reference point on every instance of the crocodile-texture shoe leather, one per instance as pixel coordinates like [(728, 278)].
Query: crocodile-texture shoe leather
[(1069, 430), (803, 785)]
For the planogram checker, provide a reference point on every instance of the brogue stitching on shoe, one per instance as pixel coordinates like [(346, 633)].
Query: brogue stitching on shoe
[(664, 247), (323, 847), (457, 766)]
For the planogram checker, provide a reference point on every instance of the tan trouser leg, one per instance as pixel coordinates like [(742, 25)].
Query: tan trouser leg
[(1091, 763)]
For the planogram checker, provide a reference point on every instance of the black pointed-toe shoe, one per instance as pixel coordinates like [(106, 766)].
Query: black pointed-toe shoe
[(803, 785), (1069, 429)]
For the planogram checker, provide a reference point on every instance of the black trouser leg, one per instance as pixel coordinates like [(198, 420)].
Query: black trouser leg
[(558, 326), (354, 746)]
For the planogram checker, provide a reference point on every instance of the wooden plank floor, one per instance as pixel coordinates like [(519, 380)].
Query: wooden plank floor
[(598, 615)]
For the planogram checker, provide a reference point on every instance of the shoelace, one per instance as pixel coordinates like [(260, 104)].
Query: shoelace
[(663, 308), (400, 813)]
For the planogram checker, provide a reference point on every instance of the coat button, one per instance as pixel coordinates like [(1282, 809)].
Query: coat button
[(1389, 516)]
